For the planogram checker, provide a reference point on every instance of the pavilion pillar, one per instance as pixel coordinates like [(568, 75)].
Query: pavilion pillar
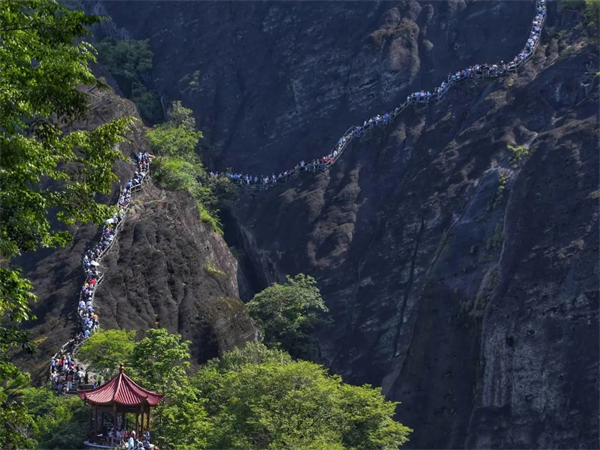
[(114, 436), (148, 427), (91, 422), (95, 423), (137, 416)]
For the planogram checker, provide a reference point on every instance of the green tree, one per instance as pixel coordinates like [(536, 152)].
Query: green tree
[(591, 14), (265, 401), (60, 421), (177, 136), (128, 61), (179, 167), (252, 353), (160, 361), (47, 175), (288, 312), (104, 351)]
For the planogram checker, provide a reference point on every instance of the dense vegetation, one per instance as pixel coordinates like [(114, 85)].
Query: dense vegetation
[(48, 177), (253, 397), (178, 166), (589, 10), (130, 63), (287, 313)]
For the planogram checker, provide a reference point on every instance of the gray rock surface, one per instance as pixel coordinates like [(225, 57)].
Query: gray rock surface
[(166, 269), (463, 282), (278, 82)]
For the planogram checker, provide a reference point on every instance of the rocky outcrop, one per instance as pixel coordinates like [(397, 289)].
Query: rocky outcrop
[(171, 269), (458, 252), (276, 82), (167, 268)]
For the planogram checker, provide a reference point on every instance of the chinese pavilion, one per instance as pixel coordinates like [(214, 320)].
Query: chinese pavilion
[(110, 403)]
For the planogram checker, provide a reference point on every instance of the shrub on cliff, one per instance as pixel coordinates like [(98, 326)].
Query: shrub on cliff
[(288, 312), (177, 165), (177, 136)]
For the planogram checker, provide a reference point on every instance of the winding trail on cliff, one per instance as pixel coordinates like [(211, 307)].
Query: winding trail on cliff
[(93, 257)]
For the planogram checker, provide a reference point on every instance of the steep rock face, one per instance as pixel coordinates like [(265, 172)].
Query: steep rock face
[(276, 82), (179, 274), (461, 278), (463, 284), (169, 267)]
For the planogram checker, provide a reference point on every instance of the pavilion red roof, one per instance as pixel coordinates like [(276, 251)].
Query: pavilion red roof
[(121, 390)]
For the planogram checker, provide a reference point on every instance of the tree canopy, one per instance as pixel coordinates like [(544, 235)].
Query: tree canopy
[(260, 398), (177, 136), (179, 167), (288, 312), (255, 397), (130, 62), (59, 422), (49, 176), (104, 351)]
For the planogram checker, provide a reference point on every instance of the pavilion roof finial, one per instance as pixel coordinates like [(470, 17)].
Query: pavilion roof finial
[(121, 368)]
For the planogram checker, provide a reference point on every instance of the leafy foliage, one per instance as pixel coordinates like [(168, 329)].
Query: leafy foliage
[(105, 351), (518, 153), (253, 397), (161, 361), (259, 398), (15, 420), (288, 312), (591, 13), (47, 175), (60, 421), (589, 9), (179, 167), (130, 62)]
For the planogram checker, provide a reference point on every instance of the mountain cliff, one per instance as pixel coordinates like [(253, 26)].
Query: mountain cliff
[(456, 248), (458, 252), (276, 82), (167, 268)]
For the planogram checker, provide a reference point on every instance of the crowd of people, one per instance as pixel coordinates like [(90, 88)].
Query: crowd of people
[(65, 373), (127, 439), (421, 97)]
